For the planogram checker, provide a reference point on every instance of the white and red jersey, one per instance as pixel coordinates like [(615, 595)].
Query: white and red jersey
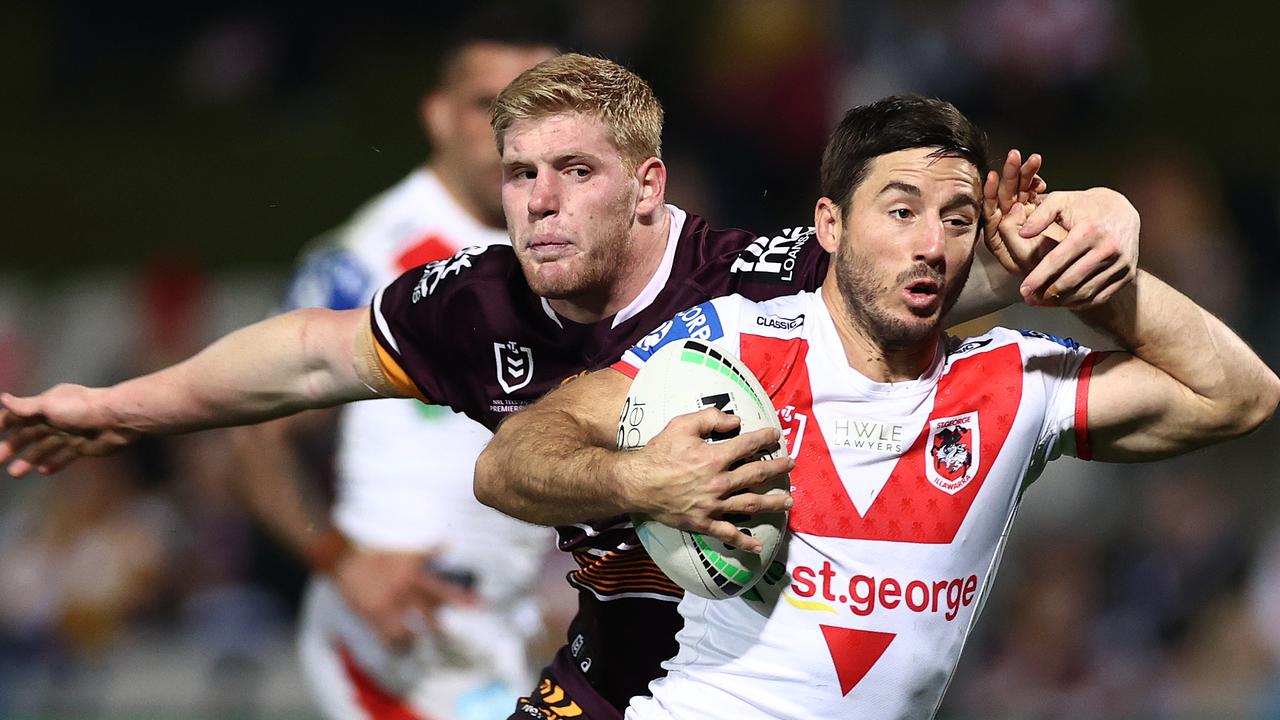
[(404, 472), (904, 493)]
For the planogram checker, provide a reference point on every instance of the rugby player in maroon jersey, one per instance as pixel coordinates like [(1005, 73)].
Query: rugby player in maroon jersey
[(599, 259)]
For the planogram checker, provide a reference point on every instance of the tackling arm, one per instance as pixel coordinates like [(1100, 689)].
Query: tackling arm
[(303, 359), (555, 463)]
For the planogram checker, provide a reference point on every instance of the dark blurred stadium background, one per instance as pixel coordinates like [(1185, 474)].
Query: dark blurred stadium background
[(164, 162)]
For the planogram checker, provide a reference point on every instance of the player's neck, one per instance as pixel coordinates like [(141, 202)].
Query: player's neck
[(453, 186), (640, 261), (866, 354)]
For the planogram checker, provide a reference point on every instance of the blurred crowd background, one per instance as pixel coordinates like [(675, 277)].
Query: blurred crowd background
[(164, 163)]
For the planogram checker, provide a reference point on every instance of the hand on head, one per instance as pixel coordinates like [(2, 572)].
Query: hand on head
[(1077, 248)]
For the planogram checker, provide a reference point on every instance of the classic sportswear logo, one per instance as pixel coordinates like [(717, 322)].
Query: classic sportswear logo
[(780, 323), (971, 345), (775, 257), (515, 365)]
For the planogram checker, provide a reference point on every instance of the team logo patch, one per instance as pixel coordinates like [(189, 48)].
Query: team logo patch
[(515, 365), (953, 452)]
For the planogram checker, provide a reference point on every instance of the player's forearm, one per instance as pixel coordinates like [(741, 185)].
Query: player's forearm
[(544, 467), (270, 369), (990, 287), (1170, 332)]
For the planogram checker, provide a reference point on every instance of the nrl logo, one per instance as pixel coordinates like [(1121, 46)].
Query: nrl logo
[(515, 365), (793, 424), (953, 452)]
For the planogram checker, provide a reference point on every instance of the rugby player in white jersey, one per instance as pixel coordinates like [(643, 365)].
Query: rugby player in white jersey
[(406, 530), (582, 165), (892, 545)]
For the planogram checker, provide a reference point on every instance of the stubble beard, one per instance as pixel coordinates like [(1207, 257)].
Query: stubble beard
[(586, 274), (865, 299)]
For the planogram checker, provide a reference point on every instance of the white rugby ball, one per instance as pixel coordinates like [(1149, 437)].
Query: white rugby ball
[(682, 377)]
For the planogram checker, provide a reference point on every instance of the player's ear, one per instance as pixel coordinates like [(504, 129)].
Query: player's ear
[(828, 221), (652, 178)]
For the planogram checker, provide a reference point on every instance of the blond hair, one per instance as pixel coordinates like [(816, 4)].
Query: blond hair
[(573, 83)]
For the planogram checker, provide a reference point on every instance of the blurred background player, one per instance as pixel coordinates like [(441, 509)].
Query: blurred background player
[(405, 533)]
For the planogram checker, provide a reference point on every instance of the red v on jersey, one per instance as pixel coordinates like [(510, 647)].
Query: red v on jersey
[(910, 507), (854, 652)]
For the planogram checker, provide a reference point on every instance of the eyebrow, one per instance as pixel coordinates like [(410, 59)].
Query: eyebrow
[(961, 200), (901, 186), (565, 158), (958, 201)]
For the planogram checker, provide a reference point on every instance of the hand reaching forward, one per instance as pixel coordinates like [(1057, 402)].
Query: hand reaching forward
[(47, 432), (681, 480)]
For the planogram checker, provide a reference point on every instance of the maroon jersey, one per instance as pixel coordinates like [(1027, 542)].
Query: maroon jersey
[(468, 332)]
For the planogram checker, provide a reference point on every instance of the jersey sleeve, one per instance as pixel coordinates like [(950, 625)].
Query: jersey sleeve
[(411, 320), (783, 264), (1061, 368), (328, 277), (714, 321)]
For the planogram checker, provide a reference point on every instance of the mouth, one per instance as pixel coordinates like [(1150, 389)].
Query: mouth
[(548, 248), (922, 295)]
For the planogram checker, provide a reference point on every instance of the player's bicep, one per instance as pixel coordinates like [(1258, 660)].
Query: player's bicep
[(374, 367), (1138, 412)]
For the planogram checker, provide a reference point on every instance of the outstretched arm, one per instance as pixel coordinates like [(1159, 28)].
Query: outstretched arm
[(1185, 380), (299, 360), (555, 463)]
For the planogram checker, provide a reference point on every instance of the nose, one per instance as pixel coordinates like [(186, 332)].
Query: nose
[(931, 243), (544, 200)]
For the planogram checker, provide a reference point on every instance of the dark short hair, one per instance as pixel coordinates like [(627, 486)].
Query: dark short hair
[(898, 122), (499, 24)]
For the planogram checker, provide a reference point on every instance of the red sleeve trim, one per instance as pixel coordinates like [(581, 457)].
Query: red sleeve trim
[(1083, 451), (626, 368)]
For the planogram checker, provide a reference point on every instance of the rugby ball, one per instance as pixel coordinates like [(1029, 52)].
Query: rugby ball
[(683, 377)]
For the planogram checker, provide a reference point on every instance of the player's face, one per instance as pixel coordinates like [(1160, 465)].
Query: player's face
[(459, 123), (908, 244), (570, 203)]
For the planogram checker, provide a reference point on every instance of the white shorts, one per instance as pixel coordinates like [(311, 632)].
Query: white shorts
[(473, 668)]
